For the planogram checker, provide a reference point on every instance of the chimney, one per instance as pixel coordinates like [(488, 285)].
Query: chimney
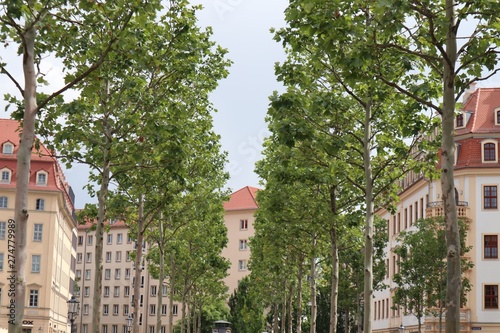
[(468, 92)]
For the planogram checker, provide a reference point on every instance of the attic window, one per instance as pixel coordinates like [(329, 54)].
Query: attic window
[(8, 148), (460, 120), (489, 151), (6, 176), (497, 116), (41, 178)]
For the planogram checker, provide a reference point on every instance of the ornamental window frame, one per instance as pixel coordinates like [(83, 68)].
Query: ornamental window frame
[(489, 145)]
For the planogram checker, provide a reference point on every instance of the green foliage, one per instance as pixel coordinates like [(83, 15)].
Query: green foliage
[(246, 312)]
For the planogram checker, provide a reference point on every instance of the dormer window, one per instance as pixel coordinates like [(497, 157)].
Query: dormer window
[(8, 148), (460, 120), (489, 151), (41, 178), (6, 176), (497, 116)]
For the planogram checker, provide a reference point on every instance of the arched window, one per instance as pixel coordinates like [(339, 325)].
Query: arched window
[(8, 148), (489, 151)]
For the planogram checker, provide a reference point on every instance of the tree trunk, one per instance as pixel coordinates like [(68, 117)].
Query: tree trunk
[(161, 277), (289, 308), (313, 292), (138, 264), (283, 310), (275, 318), (171, 293), (454, 274), (368, 278), (22, 182), (101, 218), (183, 306), (335, 264), (299, 294)]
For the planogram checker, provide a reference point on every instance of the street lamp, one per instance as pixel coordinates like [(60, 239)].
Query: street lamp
[(401, 329), (129, 323), (73, 307)]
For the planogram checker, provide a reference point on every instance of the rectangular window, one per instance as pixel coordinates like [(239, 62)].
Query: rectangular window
[(33, 298), (86, 291), (105, 309), (3, 226), (243, 244), (87, 274), (80, 240), (117, 273), (41, 179), (127, 256), (5, 177), (491, 297), (36, 260), (153, 291), (421, 208), (399, 222), (107, 273), (106, 291), (243, 224), (79, 257), (242, 265), (489, 151), (460, 120), (4, 202), (416, 211), (127, 273), (85, 328), (110, 239), (89, 257), (411, 215), (175, 310), (490, 197), (90, 239), (104, 328), (163, 309), (394, 230), (119, 238), (406, 218), (126, 291), (1, 262), (78, 274), (491, 246), (117, 291), (40, 204), (108, 256), (152, 309), (125, 309), (118, 256), (85, 309), (164, 291), (116, 309)]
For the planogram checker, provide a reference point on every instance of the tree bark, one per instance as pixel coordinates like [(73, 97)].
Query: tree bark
[(368, 276), (454, 274), (299, 294), (161, 277), (335, 264), (21, 213), (138, 264), (313, 291)]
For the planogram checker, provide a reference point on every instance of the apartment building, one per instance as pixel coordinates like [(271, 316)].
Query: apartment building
[(477, 179), (239, 218), (51, 237), (117, 284)]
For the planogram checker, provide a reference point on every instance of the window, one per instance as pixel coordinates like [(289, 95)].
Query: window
[(105, 328), (107, 273), (5, 176), (41, 178), (127, 256), (153, 291), (35, 263), (86, 292), (164, 291), (163, 309), (491, 296), (243, 224), (40, 204), (491, 246), (33, 298), (89, 256), (127, 273), (79, 257), (3, 226), (90, 239), (8, 148), (489, 152), (459, 120), (106, 291), (110, 239), (126, 291), (490, 197), (129, 239), (152, 309), (105, 309), (119, 238), (108, 256), (85, 328), (80, 240), (87, 274), (117, 273), (4, 202), (37, 232), (118, 256), (85, 309), (152, 329), (116, 309), (242, 265), (175, 310), (125, 309), (78, 274), (117, 291), (141, 300), (243, 244), (1, 262), (497, 116)]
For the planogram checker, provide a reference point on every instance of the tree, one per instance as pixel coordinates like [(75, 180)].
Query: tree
[(48, 28), (421, 278), (246, 313)]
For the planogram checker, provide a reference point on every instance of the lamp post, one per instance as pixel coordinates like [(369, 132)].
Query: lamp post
[(73, 307), (129, 323), (401, 328)]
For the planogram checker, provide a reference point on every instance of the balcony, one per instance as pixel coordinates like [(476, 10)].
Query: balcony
[(436, 208), (431, 322)]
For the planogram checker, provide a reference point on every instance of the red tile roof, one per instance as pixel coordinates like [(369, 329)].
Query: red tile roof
[(242, 199)]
